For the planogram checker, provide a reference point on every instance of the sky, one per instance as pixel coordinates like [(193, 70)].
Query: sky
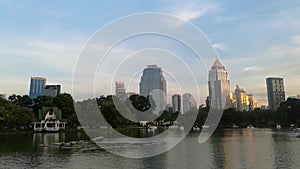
[(254, 40)]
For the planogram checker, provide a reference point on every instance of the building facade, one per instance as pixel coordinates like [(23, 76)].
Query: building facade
[(188, 103), (253, 104), (242, 99), (219, 86), (52, 90), (120, 90), (276, 92), (37, 85), (153, 84), (176, 102)]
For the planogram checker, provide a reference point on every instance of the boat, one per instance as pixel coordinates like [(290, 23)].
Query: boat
[(250, 127), (235, 126), (181, 128), (196, 128), (278, 126), (205, 127)]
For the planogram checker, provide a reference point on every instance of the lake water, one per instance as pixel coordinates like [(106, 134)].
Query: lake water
[(227, 149)]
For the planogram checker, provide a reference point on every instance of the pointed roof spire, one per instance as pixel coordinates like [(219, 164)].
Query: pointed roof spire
[(217, 64)]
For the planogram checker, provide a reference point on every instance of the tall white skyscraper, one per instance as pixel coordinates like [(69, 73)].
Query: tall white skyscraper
[(219, 87), (153, 84), (120, 90), (176, 101), (188, 103)]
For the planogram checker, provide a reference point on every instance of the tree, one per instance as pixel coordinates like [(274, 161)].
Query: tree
[(22, 118), (65, 103)]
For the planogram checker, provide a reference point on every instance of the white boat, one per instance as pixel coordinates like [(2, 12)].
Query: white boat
[(49, 126), (250, 127), (196, 128), (205, 127), (278, 126), (181, 128), (235, 126)]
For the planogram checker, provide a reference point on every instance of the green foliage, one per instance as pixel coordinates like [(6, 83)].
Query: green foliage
[(111, 114), (18, 112)]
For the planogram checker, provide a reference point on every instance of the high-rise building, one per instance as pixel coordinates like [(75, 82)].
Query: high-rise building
[(252, 102), (188, 103), (169, 108), (242, 99), (52, 90), (120, 90), (218, 86), (176, 101), (232, 99), (153, 84), (276, 92), (207, 101), (37, 85)]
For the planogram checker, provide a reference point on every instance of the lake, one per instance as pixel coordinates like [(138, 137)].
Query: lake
[(226, 149)]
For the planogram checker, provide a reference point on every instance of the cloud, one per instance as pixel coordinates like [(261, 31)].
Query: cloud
[(251, 69), (295, 39), (192, 11), (220, 46), (191, 15)]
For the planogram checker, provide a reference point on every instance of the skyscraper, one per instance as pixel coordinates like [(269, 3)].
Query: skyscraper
[(242, 99), (176, 101), (37, 85), (188, 103), (120, 90), (153, 84), (275, 90), (52, 90), (219, 87), (252, 102)]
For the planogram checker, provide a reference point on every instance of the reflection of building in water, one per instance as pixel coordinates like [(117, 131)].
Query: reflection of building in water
[(235, 149), (47, 139), (188, 103), (282, 152)]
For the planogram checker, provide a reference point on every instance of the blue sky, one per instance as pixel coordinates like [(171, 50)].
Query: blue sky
[(253, 39)]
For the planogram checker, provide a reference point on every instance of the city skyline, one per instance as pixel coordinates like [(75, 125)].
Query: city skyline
[(34, 41)]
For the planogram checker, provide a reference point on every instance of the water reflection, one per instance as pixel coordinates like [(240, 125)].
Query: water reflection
[(227, 149), (282, 149), (234, 149)]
